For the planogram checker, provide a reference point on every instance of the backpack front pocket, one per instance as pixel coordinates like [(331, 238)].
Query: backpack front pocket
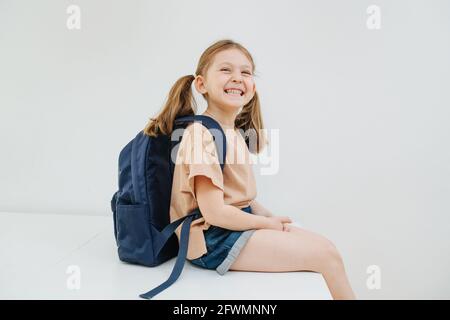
[(133, 234)]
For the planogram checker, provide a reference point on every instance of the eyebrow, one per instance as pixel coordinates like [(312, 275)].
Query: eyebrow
[(244, 65)]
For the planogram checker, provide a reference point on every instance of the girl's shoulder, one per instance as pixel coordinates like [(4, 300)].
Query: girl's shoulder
[(195, 131)]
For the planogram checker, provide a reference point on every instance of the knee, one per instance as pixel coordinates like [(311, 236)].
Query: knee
[(331, 258)]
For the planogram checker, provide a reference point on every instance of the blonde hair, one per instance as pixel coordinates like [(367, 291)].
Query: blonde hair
[(180, 101)]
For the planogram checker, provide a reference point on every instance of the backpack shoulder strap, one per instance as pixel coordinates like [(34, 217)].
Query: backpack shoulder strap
[(215, 129), (182, 252)]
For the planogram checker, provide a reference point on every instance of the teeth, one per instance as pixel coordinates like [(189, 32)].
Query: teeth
[(233, 91)]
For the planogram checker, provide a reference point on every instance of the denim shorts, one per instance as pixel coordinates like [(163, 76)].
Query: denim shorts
[(223, 247)]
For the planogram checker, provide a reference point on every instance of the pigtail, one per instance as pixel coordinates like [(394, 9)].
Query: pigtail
[(180, 102), (249, 120)]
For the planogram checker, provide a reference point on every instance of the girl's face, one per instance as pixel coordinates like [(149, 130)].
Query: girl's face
[(229, 80)]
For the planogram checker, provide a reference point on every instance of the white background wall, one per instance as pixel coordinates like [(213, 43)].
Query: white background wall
[(363, 115)]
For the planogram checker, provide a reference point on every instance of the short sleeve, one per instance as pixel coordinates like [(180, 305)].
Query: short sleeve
[(199, 157)]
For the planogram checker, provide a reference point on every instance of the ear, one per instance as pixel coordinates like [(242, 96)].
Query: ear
[(199, 83)]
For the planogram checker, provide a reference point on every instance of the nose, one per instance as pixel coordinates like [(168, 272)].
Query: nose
[(236, 76)]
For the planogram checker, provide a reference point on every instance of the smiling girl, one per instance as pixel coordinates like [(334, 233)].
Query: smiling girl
[(235, 231)]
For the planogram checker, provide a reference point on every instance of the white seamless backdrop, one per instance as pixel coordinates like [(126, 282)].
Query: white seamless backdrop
[(363, 115)]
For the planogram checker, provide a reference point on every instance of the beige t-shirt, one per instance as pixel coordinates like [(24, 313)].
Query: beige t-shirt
[(197, 155)]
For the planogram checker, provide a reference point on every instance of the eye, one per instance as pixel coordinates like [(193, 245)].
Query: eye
[(225, 69), (247, 72)]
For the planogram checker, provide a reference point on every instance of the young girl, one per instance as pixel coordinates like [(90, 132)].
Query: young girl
[(235, 231)]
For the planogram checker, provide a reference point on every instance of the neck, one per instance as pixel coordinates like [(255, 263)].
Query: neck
[(225, 118)]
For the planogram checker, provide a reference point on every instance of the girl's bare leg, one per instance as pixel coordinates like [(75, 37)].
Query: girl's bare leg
[(295, 250), (340, 279)]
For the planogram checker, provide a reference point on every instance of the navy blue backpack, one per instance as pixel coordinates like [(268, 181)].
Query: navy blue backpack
[(142, 228)]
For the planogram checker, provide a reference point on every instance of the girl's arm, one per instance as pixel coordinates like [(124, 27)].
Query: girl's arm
[(259, 210), (217, 213)]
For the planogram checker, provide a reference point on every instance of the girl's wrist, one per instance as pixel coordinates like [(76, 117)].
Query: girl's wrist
[(263, 222)]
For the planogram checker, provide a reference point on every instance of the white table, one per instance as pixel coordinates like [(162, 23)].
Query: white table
[(38, 250)]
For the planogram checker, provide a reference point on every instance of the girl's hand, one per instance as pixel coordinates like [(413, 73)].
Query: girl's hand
[(286, 227), (277, 223)]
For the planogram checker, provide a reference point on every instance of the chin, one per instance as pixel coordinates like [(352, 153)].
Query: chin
[(233, 103), (232, 106)]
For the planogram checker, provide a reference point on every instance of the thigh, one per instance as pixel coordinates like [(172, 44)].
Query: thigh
[(289, 227), (280, 251)]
